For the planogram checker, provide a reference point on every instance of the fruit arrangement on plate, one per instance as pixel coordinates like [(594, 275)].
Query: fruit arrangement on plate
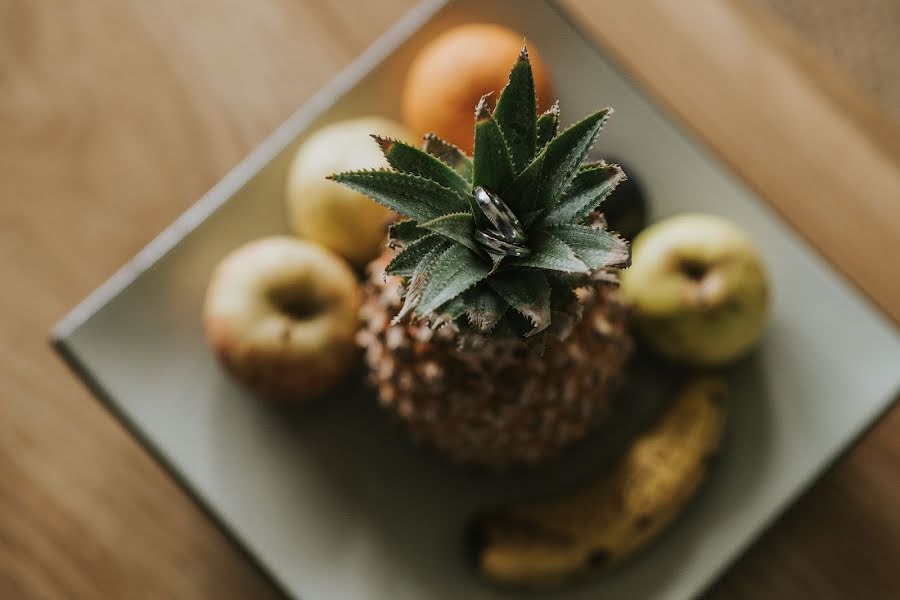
[(494, 299)]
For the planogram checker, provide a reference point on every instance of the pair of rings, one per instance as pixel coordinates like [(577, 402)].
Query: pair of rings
[(506, 238)]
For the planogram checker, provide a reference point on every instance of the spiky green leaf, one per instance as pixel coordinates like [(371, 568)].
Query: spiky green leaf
[(565, 153), (493, 166), (528, 293), (420, 277), (521, 194), (450, 311), (484, 307), (589, 188), (598, 248), (401, 233), (459, 227), (542, 183), (455, 271), (547, 125), (551, 253), (406, 261), (450, 155), (412, 196), (538, 173), (408, 159), (515, 113), (562, 294)]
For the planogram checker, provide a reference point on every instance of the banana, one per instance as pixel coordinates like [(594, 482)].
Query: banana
[(546, 543)]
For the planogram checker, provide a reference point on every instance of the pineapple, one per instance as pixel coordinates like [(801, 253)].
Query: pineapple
[(491, 324)]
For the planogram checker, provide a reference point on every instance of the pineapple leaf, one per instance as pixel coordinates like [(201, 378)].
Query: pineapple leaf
[(412, 196), (528, 293), (589, 188), (484, 307), (507, 263), (401, 233), (565, 153), (521, 195), (598, 248), (562, 294), (547, 125), (542, 183), (450, 312), (493, 166), (515, 112), (419, 278), (411, 297), (455, 271), (565, 308), (406, 261), (459, 227), (550, 252), (450, 155), (408, 159)]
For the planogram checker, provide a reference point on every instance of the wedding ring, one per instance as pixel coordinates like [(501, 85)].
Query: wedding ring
[(501, 217)]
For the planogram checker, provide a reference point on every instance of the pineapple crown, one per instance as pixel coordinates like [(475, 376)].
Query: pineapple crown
[(498, 242)]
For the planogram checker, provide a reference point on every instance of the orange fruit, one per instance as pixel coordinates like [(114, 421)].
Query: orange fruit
[(447, 78)]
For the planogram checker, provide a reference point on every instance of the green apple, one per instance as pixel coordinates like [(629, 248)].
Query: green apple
[(698, 289), (328, 213)]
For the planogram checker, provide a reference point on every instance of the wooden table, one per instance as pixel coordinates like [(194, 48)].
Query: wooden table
[(116, 115)]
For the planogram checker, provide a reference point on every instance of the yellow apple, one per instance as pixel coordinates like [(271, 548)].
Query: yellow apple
[(698, 289), (281, 315), (328, 213)]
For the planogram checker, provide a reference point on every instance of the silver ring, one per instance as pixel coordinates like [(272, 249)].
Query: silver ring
[(501, 217), (495, 244)]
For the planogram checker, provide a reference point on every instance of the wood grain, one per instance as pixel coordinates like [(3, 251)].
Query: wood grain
[(115, 115), (825, 156), (859, 36)]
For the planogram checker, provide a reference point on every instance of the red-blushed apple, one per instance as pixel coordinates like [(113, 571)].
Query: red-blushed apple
[(328, 213), (281, 314), (698, 289)]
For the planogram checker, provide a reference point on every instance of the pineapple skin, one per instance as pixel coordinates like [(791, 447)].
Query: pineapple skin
[(501, 403)]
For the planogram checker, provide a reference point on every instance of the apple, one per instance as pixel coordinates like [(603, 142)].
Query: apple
[(281, 315), (698, 289), (328, 213)]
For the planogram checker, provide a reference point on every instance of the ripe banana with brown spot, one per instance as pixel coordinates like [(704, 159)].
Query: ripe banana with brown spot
[(547, 543)]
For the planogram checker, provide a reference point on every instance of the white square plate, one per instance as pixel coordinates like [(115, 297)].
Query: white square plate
[(331, 500)]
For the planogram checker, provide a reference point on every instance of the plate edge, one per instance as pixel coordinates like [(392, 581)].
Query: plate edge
[(61, 333), (262, 154), (70, 357), (818, 475), (241, 173)]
